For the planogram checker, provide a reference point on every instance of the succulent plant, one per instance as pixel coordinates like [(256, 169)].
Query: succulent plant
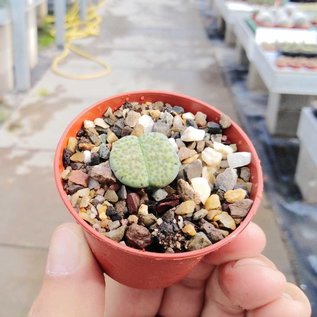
[(146, 161)]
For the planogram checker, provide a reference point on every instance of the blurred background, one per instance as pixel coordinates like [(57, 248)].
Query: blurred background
[(254, 60)]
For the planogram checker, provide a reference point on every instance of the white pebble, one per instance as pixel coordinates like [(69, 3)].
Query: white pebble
[(211, 157), (159, 221), (173, 142), (188, 116), (223, 149), (201, 188), (239, 159), (101, 123), (191, 134), (87, 157), (88, 124), (147, 122)]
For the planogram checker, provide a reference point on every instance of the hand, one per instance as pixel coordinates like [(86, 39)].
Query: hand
[(235, 281)]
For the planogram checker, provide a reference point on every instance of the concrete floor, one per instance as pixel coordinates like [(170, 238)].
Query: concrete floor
[(158, 46)]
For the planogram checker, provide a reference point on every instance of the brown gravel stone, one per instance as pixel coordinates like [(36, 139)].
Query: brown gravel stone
[(212, 233), (240, 208), (78, 177), (138, 236), (133, 203), (201, 119), (194, 169), (111, 196), (186, 191), (102, 173)]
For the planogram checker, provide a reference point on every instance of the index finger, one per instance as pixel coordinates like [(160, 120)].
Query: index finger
[(250, 243)]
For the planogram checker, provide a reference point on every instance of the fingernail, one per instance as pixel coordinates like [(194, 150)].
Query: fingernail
[(63, 256)]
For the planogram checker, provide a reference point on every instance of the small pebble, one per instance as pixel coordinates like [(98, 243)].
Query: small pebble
[(78, 177), (211, 157), (102, 173), (213, 202), (101, 123), (226, 220), (104, 151), (186, 207), (155, 114), (201, 187), (114, 224), (88, 124), (194, 169), (201, 119), (111, 137), (185, 153), (117, 234), (214, 128), (161, 127), (225, 150), (72, 144), (208, 173), (198, 242), (186, 191), (138, 130), (147, 122), (201, 213), (234, 195), (132, 118), (240, 208), (227, 179), (167, 118), (133, 219), (191, 134), (212, 213), (159, 194), (178, 109), (225, 121), (138, 236), (239, 159), (149, 220), (200, 146), (143, 210), (189, 229), (133, 202), (66, 173), (178, 125), (87, 157), (122, 193), (188, 116), (191, 159), (245, 173), (77, 157)]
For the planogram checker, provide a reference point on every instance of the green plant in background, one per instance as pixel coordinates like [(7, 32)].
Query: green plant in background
[(45, 32), (4, 3), (146, 161)]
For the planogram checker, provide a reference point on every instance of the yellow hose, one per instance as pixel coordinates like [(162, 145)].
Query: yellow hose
[(77, 29)]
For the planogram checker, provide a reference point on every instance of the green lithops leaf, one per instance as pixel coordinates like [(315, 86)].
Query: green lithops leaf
[(146, 161)]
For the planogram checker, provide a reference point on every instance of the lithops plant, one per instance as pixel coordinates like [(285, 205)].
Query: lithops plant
[(146, 161)]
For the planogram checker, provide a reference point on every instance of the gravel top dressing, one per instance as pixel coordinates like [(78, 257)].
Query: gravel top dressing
[(156, 178)]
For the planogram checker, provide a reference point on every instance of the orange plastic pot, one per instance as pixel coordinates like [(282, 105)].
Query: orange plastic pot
[(142, 269)]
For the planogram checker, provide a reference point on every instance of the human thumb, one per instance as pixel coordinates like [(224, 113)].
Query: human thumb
[(73, 284)]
